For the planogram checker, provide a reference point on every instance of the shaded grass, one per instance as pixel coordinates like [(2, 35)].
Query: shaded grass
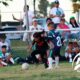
[(65, 72)]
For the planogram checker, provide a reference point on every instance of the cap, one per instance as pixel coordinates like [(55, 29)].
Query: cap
[(34, 20), (72, 17), (56, 2)]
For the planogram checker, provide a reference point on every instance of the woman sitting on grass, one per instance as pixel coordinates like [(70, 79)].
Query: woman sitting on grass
[(5, 57)]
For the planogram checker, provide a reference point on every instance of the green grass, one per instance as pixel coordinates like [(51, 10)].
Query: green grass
[(36, 72)]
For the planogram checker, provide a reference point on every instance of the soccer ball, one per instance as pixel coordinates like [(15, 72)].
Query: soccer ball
[(25, 66)]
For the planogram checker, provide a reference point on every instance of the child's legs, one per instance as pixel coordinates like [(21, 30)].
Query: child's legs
[(56, 54), (33, 54), (44, 57)]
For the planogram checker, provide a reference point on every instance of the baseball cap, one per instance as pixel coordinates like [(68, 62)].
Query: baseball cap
[(56, 2), (72, 17), (34, 20)]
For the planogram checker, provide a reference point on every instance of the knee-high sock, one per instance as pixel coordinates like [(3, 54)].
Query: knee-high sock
[(70, 58), (11, 59), (56, 61), (50, 62)]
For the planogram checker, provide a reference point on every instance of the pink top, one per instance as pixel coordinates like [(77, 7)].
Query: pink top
[(63, 26)]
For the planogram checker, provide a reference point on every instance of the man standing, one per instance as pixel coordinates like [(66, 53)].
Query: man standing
[(56, 13), (30, 18)]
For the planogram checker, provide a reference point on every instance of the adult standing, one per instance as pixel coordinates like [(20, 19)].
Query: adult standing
[(35, 27), (30, 17), (56, 13)]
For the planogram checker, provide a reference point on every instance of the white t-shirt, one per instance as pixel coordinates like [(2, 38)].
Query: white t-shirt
[(56, 11), (30, 17), (46, 28), (73, 32), (5, 43), (32, 28), (4, 57)]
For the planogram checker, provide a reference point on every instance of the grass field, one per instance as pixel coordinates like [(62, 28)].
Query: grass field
[(36, 72)]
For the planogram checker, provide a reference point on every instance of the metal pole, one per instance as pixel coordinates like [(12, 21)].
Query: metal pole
[(26, 10), (27, 24), (34, 1), (0, 17)]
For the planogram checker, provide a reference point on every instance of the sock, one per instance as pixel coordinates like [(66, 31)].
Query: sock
[(11, 59), (3, 63), (77, 62), (56, 61), (70, 58), (50, 62)]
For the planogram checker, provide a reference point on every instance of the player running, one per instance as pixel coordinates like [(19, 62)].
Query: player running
[(55, 39)]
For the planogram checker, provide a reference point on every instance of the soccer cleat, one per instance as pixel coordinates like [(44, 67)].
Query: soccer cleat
[(49, 68)]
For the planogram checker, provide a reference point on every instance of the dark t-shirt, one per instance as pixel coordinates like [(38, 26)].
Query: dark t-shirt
[(55, 38)]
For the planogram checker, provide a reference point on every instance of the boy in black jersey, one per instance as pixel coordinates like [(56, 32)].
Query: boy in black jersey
[(40, 47)]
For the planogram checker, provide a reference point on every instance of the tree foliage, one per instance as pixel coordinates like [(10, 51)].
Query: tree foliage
[(76, 6), (5, 2), (43, 4), (75, 0)]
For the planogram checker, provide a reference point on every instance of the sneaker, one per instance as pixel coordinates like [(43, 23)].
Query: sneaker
[(49, 68)]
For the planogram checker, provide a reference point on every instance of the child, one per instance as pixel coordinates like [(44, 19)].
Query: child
[(69, 51), (5, 57), (54, 37), (40, 49)]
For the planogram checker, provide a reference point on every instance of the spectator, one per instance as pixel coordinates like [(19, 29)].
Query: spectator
[(35, 27), (74, 24), (30, 17), (48, 20), (5, 57), (56, 13), (69, 51), (4, 41), (65, 34)]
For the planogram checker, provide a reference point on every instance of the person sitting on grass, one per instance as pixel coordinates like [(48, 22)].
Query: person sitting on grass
[(76, 48), (5, 57), (69, 51)]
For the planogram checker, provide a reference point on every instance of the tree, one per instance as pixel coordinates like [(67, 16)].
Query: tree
[(43, 4), (76, 6), (5, 3)]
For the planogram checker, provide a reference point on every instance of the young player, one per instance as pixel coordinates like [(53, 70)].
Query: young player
[(55, 38), (40, 48), (5, 57)]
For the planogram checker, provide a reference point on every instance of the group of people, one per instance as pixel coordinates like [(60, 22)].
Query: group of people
[(46, 46), (5, 51)]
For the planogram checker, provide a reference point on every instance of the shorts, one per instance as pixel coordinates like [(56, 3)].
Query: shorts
[(56, 52)]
